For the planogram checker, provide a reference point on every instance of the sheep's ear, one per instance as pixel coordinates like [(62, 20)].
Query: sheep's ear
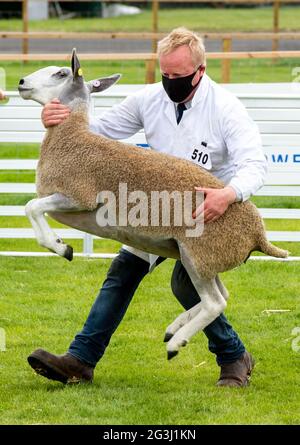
[(75, 64), (97, 85)]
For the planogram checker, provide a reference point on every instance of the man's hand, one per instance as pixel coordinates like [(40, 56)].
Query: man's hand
[(54, 113), (215, 203), (2, 95)]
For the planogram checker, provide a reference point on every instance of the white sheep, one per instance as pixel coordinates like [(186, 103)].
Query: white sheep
[(76, 165)]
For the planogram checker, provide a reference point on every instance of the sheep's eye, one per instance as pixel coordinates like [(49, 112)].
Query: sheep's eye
[(60, 74)]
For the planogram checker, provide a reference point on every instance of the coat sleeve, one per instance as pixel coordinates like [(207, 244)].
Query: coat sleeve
[(245, 149), (121, 121)]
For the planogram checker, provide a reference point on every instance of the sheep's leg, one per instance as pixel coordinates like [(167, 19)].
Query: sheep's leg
[(46, 237), (181, 320), (187, 316), (222, 288), (211, 306)]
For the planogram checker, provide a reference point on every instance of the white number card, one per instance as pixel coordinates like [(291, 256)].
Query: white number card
[(201, 156)]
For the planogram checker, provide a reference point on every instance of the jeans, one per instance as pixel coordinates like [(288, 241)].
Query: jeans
[(125, 274)]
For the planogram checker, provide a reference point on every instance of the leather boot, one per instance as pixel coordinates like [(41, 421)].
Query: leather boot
[(238, 373), (64, 368)]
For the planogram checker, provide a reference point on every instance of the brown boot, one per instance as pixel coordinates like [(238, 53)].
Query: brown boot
[(64, 368), (237, 373)]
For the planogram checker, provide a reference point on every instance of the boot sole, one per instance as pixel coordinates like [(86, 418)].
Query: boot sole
[(45, 370)]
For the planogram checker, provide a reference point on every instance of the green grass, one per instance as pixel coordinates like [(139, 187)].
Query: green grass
[(279, 202), (17, 176), (228, 19), (133, 72), (14, 150), (44, 302), (198, 18)]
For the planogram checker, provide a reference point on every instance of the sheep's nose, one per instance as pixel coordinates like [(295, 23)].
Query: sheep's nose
[(21, 82)]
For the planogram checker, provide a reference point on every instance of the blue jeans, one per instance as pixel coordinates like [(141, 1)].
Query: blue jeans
[(125, 274)]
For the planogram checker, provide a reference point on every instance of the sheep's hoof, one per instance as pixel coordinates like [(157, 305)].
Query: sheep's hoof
[(168, 337), (172, 354), (69, 253)]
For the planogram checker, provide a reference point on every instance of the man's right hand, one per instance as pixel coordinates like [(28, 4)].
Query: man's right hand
[(54, 113)]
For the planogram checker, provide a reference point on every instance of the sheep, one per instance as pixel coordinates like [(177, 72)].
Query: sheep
[(76, 166)]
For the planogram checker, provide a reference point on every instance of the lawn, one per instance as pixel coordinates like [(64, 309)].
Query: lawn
[(133, 72), (44, 302), (199, 18)]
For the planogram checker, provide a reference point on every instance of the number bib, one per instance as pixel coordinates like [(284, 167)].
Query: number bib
[(201, 156)]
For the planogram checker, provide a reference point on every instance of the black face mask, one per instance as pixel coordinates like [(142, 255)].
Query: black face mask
[(179, 88)]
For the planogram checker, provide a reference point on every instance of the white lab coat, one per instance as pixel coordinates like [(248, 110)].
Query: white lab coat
[(216, 133)]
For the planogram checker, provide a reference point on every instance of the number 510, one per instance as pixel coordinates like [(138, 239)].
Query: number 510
[(203, 158)]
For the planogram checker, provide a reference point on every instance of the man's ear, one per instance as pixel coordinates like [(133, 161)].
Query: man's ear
[(202, 69), (97, 85)]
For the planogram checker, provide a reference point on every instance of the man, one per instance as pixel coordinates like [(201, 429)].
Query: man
[(185, 114), (2, 95)]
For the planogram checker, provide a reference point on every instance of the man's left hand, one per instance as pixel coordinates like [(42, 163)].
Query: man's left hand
[(216, 202)]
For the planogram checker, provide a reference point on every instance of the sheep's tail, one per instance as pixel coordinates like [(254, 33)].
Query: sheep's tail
[(269, 249)]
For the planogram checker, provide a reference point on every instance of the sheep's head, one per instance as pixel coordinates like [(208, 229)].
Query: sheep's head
[(66, 84)]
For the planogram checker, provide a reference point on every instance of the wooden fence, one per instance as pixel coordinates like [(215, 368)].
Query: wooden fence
[(155, 12), (150, 59)]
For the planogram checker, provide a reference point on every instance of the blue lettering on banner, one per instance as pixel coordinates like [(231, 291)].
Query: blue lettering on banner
[(280, 158), (296, 158), (284, 158)]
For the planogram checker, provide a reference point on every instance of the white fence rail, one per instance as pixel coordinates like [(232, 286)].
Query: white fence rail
[(274, 107)]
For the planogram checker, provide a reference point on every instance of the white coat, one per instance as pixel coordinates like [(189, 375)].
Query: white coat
[(216, 133)]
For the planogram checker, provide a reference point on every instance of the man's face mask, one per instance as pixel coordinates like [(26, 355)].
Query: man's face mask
[(180, 88)]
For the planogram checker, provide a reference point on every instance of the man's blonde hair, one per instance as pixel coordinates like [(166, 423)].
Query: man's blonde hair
[(183, 36)]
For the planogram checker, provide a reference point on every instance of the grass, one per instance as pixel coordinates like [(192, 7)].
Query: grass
[(44, 302), (133, 72), (228, 19), (198, 18)]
